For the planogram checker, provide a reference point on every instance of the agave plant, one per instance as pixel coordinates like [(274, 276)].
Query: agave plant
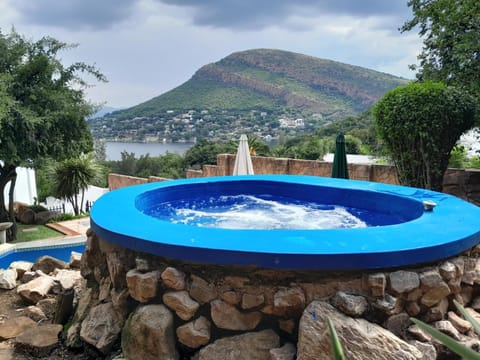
[(448, 341)]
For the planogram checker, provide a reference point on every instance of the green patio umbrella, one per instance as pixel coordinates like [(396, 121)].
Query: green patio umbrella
[(340, 168)]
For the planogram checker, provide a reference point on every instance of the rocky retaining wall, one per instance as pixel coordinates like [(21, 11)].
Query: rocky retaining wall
[(158, 308)]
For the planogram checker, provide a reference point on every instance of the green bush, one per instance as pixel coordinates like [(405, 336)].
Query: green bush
[(420, 124)]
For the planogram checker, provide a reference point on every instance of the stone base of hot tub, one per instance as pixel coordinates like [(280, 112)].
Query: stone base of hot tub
[(153, 307)]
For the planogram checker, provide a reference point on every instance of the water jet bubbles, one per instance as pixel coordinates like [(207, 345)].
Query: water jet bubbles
[(257, 212)]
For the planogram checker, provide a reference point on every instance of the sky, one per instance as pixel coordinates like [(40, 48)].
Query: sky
[(148, 47)]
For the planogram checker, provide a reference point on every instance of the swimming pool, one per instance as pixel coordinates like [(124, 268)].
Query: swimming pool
[(61, 252)]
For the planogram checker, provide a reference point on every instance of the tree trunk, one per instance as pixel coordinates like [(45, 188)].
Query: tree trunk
[(8, 173)]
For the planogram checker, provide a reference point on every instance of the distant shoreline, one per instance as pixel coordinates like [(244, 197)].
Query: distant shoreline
[(114, 149)]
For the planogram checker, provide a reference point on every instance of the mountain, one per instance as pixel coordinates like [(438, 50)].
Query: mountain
[(275, 83), (104, 110)]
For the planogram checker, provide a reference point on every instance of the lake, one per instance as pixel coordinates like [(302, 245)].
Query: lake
[(114, 149)]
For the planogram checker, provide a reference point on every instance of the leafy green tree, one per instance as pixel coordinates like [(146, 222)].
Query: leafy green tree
[(204, 152), (42, 108), (172, 166), (420, 124), (451, 36), (71, 177), (257, 146), (352, 144)]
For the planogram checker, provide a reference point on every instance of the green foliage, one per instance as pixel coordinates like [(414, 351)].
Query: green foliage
[(45, 101), (205, 152), (35, 232), (336, 346), (171, 166), (420, 124), (42, 106), (451, 33), (71, 177), (360, 133), (37, 208), (458, 348), (474, 162), (458, 157)]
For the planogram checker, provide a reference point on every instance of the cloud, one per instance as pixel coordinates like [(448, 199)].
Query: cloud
[(74, 14), (254, 14)]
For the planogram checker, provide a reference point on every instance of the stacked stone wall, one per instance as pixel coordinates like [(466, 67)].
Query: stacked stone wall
[(150, 305)]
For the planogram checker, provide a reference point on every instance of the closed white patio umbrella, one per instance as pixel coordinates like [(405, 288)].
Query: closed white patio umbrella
[(243, 161)]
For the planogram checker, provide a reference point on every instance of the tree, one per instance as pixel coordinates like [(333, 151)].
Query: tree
[(42, 108), (71, 177), (451, 33), (204, 152), (420, 124)]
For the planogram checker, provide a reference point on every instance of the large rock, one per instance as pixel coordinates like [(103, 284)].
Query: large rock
[(143, 286), (118, 264), (201, 290), (286, 352), (173, 278), (15, 326), (48, 264), (8, 279), (435, 289), (23, 213), (377, 284), (35, 313), (68, 279), (148, 334), (195, 333), (226, 316), (22, 267), (352, 305), (288, 302), (35, 290), (42, 217), (360, 339), (75, 260), (39, 341), (101, 327), (251, 346), (404, 281), (180, 302)]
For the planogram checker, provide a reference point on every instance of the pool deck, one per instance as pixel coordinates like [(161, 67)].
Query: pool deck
[(74, 232)]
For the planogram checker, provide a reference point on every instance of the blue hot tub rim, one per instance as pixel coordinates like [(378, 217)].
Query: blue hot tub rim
[(452, 227)]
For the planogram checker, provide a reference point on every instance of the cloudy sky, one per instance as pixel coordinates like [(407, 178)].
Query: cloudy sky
[(147, 47)]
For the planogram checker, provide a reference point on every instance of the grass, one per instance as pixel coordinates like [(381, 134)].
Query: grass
[(34, 232)]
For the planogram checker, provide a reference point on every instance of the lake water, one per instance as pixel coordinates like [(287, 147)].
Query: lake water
[(114, 149)]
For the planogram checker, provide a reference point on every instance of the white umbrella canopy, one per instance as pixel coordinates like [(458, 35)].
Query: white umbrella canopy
[(243, 161)]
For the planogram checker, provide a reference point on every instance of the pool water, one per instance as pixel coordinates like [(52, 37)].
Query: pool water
[(265, 212), (32, 254)]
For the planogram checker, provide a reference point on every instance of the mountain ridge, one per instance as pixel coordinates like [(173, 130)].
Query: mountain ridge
[(276, 82)]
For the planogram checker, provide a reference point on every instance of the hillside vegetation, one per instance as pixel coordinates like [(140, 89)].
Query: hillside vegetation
[(273, 82)]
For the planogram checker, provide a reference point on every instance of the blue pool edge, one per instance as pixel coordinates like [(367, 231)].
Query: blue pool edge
[(452, 227)]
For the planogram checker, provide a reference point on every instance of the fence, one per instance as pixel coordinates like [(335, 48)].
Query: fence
[(61, 208)]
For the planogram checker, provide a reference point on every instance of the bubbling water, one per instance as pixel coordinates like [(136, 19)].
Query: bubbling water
[(255, 212)]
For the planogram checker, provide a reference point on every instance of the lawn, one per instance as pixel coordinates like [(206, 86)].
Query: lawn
[(34, 232)]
